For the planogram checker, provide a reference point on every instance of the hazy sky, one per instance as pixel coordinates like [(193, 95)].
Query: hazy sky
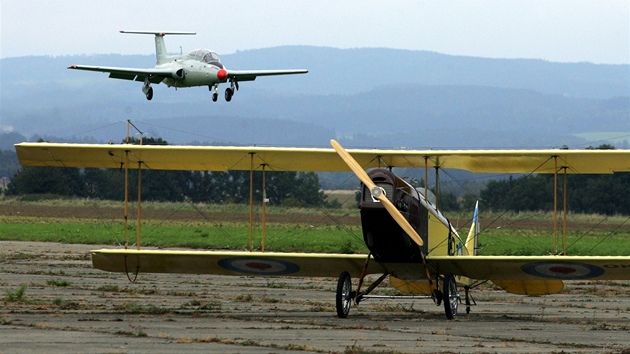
[(556, 30)]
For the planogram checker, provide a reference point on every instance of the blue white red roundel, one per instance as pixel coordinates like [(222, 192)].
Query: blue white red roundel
[(562, 270), (259, 266)]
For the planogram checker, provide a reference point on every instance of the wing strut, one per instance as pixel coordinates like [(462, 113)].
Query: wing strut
[(555, 205), (564, 218), (437, 186), (251, 202), (139, 201), (426, 177), (555, 208), (264, 208), (126, 216)]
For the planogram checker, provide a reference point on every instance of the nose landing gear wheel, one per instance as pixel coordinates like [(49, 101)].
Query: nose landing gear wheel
[(344, 295), (215, 96), (451, 297)]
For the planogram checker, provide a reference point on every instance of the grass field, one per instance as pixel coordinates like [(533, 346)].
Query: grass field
[(287, 229)]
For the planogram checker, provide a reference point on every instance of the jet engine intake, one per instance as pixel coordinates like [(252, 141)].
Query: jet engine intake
[(179, 74)]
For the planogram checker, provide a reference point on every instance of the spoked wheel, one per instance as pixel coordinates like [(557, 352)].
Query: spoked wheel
[(344, 295), (451, 297), (149, 93), (228, 94)]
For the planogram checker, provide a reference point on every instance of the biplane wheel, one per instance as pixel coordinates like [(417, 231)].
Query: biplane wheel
[(215, 97), (451, 297), (228, 94), (149, 93), (344, 295)]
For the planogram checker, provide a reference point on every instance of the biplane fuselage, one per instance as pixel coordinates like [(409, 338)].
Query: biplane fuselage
[(387, 242)]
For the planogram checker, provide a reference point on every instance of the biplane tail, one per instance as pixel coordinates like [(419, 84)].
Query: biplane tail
[(160, 48), (471, 240)]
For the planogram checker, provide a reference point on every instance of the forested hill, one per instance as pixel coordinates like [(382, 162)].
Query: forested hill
[(365, 97)]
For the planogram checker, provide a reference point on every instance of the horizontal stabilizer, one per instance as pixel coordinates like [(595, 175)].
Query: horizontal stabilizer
[(159, 33), (531, 287)]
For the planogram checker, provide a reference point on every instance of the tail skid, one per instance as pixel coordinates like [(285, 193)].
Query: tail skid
[(160, 47)]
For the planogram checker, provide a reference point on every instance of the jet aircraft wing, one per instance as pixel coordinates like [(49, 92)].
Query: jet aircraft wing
[(250, 75), (135, 74)]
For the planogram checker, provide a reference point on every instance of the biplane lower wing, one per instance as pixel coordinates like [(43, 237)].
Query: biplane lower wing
[(231, 263), (534, 267)]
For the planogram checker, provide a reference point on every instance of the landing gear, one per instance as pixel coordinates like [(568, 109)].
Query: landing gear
[(229, 92), (450, 296), (421, 290), (147, 89), (344, 295), (215, 94), (149, 93)]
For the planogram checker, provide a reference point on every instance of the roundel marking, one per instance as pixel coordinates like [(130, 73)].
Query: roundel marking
[(562, 270), (258, 266)]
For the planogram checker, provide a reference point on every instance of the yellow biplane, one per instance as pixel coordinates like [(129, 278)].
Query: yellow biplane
[(408, 238)]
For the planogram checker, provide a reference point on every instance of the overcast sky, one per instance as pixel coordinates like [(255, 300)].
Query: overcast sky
[(595, 31)]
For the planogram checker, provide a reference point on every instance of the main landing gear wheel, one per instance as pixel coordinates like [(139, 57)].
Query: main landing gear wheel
[(149, 93), (215, 97), (344, 295), (228, 94), (451, 297)]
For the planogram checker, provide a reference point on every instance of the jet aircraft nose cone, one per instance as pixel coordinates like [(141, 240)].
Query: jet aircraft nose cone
[(222, 74)]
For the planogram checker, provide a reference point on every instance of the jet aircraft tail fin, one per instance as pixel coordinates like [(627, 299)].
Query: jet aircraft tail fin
[(160, 48), (471, 240)]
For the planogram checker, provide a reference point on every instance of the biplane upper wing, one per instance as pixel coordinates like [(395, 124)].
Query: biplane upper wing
[(534, 267), (224, 158)]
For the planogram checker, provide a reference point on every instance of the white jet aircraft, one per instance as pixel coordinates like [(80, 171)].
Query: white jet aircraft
[(198, 68)]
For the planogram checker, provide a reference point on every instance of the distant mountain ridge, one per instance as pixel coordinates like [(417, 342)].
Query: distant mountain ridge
[(370, 97)]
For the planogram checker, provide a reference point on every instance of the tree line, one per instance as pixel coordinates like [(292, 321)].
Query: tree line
[(601, 194), (283, 188)]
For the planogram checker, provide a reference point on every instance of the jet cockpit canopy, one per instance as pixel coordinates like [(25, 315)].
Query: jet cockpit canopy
[(206, 56)]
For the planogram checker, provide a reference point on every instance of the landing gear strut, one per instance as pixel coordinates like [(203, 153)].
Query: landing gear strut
[(215, 94), (147, 89), (228, 94), (449, 295)]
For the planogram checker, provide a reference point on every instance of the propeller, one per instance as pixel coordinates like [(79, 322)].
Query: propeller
[(377, 192)]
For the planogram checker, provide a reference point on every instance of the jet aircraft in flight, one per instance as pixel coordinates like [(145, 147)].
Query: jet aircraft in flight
[(200, 67)]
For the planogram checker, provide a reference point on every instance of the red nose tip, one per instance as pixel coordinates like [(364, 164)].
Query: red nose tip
[(222, 74)]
